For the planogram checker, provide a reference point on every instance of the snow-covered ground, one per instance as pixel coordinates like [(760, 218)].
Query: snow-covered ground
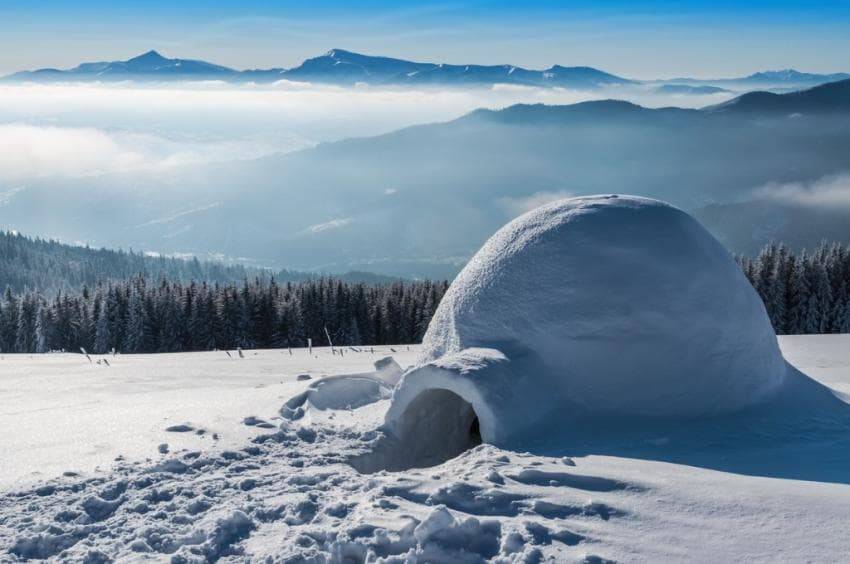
[(85, 476), (62, 413)]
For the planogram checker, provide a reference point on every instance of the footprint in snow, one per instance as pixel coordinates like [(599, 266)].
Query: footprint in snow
[(534, 477), (182, 428), (252, 421)]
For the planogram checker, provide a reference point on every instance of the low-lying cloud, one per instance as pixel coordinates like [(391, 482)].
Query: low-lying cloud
[(38, 151), (827, 192), (27, 151), (83, 129)]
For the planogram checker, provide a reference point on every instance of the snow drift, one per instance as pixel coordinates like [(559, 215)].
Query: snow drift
[(590, 307)]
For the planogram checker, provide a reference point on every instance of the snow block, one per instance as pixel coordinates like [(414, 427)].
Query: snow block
[(597, 306), (388, 370)]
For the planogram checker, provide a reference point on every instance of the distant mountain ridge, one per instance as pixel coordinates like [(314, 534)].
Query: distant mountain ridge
[(791, 75), (825, 98), (776, 78), (830, 97), (150, 64), (697, 89), (337, 66), (342, 67), (384, 70)]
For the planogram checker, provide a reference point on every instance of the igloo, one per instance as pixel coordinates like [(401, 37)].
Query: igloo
[(603, 306)]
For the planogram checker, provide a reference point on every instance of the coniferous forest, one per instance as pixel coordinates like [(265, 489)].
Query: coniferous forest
[(803, 293), (47, 266), (143, 315)]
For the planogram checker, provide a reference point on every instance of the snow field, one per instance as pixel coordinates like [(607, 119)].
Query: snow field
[(65, 414), (288, 494)]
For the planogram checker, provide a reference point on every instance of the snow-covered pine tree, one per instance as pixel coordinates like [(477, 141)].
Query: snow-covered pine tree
[(83, 320), (135, 337), (797, 293), (25, 335), (43, 328), (102, 336), (819, 305), (767, 284), (844, 319), (171, 321), (836, 314), (8, 321), (201, 320)]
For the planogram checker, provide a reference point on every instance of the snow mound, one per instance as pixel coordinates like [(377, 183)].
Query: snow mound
[(346, 391), (597, 306)]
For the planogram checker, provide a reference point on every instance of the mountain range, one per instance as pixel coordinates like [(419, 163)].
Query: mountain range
[(776, 78), (419, 201), (342, 67), (150, 65), (337, 66)]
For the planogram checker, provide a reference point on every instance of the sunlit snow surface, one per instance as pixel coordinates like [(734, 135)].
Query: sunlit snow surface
[(255, 484)]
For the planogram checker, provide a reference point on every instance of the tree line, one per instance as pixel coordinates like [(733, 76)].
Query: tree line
[(142, 315), (803, 293)]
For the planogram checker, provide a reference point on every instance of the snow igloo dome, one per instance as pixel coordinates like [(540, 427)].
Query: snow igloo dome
[(603, 305)]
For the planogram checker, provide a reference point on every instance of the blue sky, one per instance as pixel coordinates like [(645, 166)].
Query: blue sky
[(642, 39)]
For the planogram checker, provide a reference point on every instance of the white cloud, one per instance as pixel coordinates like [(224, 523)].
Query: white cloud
[(332, 224), (513, 88), (27, 151), (83, 129), (827, 192), (292, 85), (515, 206), (37, 151)]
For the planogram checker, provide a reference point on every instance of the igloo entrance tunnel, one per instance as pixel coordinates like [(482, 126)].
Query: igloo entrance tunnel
[(604, 306)]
